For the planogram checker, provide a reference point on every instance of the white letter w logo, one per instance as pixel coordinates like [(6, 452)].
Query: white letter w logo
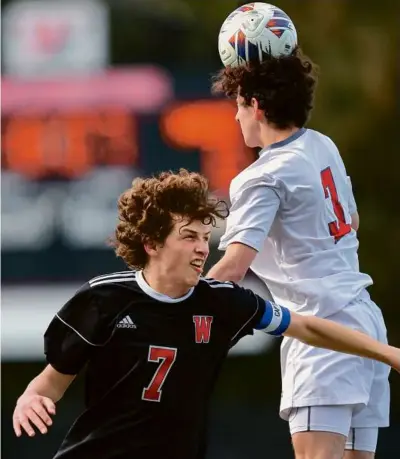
[(202, 326)]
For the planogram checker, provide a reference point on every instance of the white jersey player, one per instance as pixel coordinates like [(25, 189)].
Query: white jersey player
[(293, 221)]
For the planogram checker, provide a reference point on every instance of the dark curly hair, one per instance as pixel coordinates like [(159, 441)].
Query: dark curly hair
[(146, 211), (284, 87)]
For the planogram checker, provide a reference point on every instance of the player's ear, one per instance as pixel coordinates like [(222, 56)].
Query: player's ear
[(151, 248), (258, 113)]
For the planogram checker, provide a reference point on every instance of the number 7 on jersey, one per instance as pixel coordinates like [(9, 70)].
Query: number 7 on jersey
[(167, 356)]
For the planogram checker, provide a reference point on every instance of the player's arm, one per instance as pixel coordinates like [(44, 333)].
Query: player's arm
[(235, 263), (81, 327), (355, 218), (324, 333), (355, 221), (330, 335), (252, 213), (37, 403)]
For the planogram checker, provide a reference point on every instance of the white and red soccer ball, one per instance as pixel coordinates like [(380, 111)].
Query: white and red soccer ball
[(255, 31)]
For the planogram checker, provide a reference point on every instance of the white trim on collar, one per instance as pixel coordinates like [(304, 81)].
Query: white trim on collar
[(156, 295)]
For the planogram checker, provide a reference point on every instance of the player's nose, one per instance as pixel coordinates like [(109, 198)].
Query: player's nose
[(203, 247)]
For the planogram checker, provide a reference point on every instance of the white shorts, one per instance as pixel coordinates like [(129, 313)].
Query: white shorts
[(335, 419), (314, 377)]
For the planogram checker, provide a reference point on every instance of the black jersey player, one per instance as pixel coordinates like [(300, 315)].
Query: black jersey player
[(153, 338)]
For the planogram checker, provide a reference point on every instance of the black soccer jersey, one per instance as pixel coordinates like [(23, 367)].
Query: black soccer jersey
[(152, 362)]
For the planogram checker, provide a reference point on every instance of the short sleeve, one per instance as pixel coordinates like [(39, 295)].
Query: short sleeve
[(84, 324), (352, 202), (243, 308), (247, 311), (253, 210)]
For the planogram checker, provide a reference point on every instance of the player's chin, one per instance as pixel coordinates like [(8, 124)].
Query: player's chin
[(194, 278), (251, 143)]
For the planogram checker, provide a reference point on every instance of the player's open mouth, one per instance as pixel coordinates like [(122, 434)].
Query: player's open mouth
[(197, 265)]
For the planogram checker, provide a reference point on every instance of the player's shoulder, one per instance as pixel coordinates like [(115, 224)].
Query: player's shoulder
[(211, 284), (318, 138), (114, 283), (107, 293), (296, 147), (274, 158), (256, 174), (115, 278), (214, 289), (290, 159)]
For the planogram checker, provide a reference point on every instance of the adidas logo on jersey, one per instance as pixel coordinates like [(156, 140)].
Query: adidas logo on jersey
[(126, 322)]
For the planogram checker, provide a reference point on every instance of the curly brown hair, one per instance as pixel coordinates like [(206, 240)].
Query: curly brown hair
[(283, 86), (147, 209)]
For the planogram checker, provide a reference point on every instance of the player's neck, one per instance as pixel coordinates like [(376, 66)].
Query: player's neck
[(270, 135), (162, 283)]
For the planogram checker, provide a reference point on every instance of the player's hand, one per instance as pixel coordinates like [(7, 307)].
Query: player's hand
[(33, 410)]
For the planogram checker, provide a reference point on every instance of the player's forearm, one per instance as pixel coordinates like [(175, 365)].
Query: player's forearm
[(330, 335), (235, 263), (224, 271), (42, 386), (229, 268), (50, 383)]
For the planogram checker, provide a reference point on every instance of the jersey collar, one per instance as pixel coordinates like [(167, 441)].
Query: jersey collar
[(282, 143), (156, 295)]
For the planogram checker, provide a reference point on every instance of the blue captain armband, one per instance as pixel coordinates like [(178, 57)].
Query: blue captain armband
[(276, 319)]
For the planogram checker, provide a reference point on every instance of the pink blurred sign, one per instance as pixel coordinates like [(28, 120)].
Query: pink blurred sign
[(141, 89)]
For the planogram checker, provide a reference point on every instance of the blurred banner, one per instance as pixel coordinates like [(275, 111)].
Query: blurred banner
[(48, 38), (70, 147)]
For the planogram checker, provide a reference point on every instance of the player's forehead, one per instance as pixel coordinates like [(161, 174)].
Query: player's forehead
[(184, 225)]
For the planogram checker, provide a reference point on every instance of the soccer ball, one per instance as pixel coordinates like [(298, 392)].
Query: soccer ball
[(255, 31)]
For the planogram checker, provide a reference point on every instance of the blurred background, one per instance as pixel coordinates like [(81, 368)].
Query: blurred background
[(95, 93)]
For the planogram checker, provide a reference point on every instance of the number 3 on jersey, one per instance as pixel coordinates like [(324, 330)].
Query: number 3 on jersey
[(338, 228), (166, 356)]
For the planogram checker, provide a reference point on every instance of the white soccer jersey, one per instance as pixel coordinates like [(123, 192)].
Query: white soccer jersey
[(294, 206)]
